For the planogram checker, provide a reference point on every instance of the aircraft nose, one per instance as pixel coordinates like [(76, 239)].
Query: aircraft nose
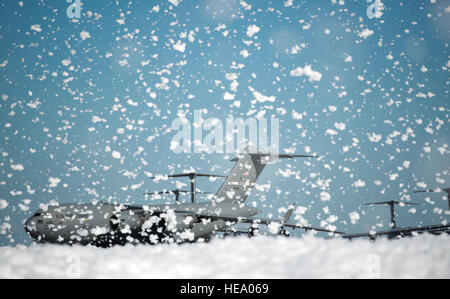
[(27, 225), (30, 227)]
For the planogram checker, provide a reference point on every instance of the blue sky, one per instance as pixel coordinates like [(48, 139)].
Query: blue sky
[(75, 91)]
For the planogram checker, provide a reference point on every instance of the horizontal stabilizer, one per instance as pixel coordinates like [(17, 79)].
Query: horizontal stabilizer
[(389, 203), (447, 190), (245, 172), (191, 175), (175, 192)]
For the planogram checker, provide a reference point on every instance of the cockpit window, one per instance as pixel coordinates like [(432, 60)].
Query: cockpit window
[(132, 208), (43, 214)]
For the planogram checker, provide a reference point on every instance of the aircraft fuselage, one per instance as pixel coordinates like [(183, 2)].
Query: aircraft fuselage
[(83, 223)]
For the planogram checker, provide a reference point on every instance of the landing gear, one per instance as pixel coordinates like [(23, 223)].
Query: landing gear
[(284, 232), (253, 231), (109, 240)]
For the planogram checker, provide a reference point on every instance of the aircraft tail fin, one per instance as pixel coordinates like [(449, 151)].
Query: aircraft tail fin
[(243, 176)]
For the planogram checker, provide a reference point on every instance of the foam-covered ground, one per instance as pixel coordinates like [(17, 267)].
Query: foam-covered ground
[(424, 256)]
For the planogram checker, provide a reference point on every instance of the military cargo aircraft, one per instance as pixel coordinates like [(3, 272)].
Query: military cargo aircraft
[(399, 232), (106, 224)]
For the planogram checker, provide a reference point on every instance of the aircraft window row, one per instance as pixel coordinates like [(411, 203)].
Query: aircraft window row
[(44, 214), (62, 216)]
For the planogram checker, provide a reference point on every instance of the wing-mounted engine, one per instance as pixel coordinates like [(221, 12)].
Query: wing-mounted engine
[(130, 222), (166, 226), (154, 228), (124, 227)]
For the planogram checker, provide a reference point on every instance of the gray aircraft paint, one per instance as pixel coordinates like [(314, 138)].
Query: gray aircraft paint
[(86, 223), (82, 223), (242, 178)]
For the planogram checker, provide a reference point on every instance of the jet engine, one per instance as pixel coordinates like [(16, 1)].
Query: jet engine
[(124, 227)]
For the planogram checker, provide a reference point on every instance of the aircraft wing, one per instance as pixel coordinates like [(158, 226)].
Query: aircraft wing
[(235, 220), (262, 221), (402, 231)]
